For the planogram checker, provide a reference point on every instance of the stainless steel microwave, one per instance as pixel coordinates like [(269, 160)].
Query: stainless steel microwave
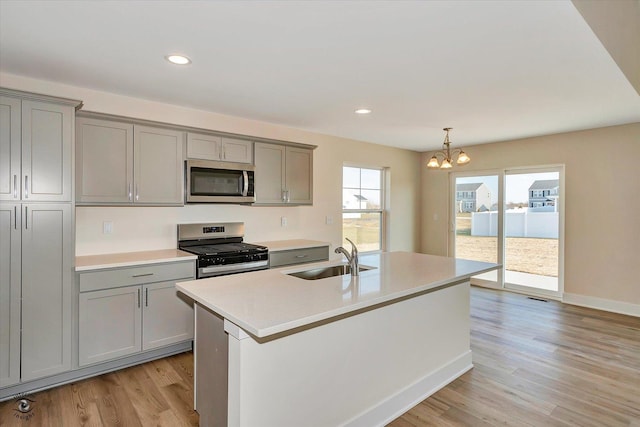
[(219, 182)]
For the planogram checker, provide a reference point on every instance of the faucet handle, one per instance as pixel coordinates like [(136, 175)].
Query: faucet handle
[(354, 249)]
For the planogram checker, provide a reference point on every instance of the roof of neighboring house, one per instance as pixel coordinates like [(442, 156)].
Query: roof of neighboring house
[(468, 187), (544, 184)]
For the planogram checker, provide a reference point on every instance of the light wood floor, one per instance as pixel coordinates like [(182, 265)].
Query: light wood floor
[(535, 364)]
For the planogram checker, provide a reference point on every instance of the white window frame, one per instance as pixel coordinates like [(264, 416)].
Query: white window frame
[(384, 177)]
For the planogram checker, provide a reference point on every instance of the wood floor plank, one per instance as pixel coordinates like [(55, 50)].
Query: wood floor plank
[(535, 364)]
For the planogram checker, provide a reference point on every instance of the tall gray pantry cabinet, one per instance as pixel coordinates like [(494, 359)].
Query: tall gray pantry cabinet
[(36, 226)]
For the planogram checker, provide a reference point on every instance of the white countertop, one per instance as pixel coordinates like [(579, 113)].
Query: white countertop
[(287, 245), (269, 302), (127, 259)]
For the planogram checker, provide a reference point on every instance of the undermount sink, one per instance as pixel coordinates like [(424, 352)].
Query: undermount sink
[(324, 272)]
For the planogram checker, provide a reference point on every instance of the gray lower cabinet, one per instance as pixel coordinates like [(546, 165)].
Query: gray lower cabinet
[(117, 320), (121, 163), (298, 256), (284, 174), (36, 287), (36, 141)]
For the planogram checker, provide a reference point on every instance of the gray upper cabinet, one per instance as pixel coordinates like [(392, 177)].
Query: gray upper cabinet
[(36, 140), (122, 163), (10, 143), (299, 176), (104, 161), (158, 166), (284, 174), (10, 283), (212, 147)]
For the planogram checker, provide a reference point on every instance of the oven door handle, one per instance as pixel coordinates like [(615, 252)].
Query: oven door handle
[(233, 267), (245, 186)]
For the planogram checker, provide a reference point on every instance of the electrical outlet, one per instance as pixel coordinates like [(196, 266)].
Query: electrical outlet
[(283, 221), (328, 220), (107, 227)]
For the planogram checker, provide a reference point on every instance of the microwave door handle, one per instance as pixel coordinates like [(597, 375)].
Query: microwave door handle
[(245, 187)]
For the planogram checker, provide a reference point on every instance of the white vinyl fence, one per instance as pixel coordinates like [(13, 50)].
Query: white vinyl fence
[(518, 224)]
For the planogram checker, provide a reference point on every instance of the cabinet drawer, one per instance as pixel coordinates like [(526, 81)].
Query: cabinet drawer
[(298, 256), (117, 277)]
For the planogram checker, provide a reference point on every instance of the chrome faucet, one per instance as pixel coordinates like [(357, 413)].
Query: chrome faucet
[(351, 258)]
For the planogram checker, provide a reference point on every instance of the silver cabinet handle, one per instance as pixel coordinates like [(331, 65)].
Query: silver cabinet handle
[(15, 217), (146, 297), (15, 186), (288, 197), (137, 194), (26, 217), (142, 275), (138, 297), (301, 256), (26, 186), (284, 195), (130, 193)]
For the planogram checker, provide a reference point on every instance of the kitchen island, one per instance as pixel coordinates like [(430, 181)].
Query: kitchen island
[(276, 350)]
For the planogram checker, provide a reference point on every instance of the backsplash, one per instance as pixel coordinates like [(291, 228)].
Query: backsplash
[(149, 228)]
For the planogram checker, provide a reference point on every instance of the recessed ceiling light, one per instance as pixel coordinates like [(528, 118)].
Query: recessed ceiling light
[(178, 59), (363, 111)]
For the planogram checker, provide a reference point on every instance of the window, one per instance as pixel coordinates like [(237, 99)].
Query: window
[(363, 207), (537, 193)]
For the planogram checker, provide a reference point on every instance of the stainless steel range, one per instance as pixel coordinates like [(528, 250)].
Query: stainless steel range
[(220, 249)]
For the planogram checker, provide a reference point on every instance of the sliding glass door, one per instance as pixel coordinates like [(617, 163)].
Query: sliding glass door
[(512, 217), (475, 222), (532, 230)]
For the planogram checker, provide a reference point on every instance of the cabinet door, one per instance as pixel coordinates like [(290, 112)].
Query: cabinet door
[(158, 169), (47, 284), (270, 173), (47, 140), (110, 324), (299, 176), (104, 161), (237, 150), (205, 147), (167, 316), (10, 141), (10, 270)]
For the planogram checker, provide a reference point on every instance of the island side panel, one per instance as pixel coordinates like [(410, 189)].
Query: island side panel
[(365, 369), (211, 348)]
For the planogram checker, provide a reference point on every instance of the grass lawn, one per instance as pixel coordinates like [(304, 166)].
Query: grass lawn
[(523, 254)]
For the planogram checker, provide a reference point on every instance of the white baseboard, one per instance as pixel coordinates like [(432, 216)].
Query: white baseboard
[(602, 304), (396, 405)]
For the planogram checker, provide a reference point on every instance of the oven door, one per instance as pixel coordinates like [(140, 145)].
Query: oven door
[(219, 182)]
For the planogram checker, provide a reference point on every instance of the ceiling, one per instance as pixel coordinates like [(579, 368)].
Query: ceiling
[(491, 70)]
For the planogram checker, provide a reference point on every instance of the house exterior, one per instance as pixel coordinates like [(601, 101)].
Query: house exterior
[(544, 193), (473, 197)]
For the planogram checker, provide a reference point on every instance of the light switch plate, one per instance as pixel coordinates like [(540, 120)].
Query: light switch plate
[(283, 221), (107, 227)]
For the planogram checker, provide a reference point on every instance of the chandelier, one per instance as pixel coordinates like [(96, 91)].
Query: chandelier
[(446, 155)]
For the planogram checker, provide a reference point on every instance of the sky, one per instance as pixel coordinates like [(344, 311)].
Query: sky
[(517, 185)]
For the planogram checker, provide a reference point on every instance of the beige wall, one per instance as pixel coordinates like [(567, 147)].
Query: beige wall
[(136, 229), (602, 186)]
